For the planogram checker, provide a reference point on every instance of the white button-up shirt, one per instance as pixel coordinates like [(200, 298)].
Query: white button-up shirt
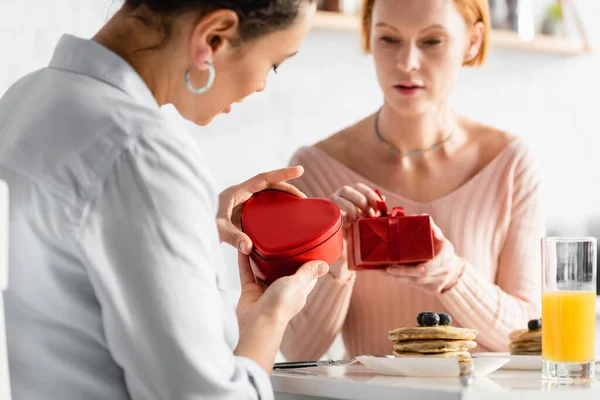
[(116, 288)]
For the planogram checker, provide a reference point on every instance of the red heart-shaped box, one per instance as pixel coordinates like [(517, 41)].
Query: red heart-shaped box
[(288, 231)]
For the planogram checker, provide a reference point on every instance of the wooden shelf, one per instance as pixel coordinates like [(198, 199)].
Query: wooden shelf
[(500, 38), (336, 21), (539, 44)]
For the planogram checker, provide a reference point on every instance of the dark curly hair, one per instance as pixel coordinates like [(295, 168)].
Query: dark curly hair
[(256, 17)]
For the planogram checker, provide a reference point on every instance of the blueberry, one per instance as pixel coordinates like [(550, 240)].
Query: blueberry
[(420, 318), (431, 319), (534, 324), (445, 319)]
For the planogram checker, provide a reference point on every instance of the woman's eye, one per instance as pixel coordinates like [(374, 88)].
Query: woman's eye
[(433, 42), (388, 40)]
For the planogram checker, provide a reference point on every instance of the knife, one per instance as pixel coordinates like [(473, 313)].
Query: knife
[(305, 364)]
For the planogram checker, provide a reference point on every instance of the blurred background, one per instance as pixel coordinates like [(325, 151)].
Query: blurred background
[(541, 82)]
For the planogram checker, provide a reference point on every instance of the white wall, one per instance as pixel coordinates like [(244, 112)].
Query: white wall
[(550, 100), (554, 102)]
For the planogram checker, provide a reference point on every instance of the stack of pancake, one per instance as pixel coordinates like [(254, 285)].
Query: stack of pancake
[(434, 341), (527, 342)]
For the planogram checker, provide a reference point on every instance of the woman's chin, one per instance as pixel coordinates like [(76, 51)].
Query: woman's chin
[(410, 108), (204, 120)]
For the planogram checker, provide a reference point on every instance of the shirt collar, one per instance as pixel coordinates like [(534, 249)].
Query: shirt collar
[(90, 58)]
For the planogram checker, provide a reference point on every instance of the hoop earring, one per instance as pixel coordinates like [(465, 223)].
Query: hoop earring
[(205, 88)]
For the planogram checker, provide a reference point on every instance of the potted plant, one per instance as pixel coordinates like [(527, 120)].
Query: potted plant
[(552, 24)]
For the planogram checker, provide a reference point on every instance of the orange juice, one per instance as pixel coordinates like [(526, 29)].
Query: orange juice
[(568, 326)]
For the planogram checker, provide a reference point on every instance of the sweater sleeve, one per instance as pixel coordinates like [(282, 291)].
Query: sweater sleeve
[(497, 309), (328, 303)]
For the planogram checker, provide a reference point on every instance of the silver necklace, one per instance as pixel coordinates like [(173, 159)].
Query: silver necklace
[(412, 153)]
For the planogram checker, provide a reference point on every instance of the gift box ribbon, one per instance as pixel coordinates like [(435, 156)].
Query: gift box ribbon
[(393, 225)]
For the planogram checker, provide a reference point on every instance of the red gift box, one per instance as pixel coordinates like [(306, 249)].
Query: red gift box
[(288, 231), (393, 238)]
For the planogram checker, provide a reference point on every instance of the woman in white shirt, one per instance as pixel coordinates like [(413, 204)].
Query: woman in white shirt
[(116, 285)]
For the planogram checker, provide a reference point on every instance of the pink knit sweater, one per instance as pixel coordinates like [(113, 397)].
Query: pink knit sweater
[(495, 221)]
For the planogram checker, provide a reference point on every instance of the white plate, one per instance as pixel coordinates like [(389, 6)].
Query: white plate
[(519, 363), (524, 363), (429, 366)]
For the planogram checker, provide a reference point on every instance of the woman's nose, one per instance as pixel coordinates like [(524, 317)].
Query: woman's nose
[(409, 58)]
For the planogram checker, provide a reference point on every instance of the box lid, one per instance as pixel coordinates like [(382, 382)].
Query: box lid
[(281, 225)]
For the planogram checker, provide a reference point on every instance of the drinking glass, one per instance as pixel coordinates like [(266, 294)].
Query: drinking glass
[(568, 308)]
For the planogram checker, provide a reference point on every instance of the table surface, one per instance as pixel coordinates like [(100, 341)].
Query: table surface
[(357, 382)]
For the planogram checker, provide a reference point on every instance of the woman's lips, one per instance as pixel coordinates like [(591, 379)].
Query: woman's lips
[(409, 88)]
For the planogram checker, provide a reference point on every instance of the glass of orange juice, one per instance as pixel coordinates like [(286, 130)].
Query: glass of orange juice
[(568, 308)]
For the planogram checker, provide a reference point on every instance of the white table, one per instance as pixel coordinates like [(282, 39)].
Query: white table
[(356, 382)]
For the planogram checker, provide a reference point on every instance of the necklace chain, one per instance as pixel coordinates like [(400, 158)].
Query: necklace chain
[(412, 153)]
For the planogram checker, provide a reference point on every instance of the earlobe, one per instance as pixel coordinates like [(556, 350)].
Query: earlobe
[(211, 35), (202, 55), (473, 51)]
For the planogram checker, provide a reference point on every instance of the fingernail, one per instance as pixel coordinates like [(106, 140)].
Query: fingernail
[(322, 269), (243, 247)]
